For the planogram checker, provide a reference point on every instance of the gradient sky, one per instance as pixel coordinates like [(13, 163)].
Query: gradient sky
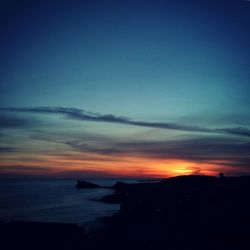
[(124, 88)]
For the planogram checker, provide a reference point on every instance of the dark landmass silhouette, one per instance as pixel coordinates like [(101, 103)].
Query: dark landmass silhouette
[(86, 184), (180, 213), (41, 235)]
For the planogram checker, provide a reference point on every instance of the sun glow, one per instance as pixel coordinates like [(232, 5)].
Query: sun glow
[(95, 164)]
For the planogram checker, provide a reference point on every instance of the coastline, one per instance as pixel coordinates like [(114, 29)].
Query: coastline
[(185, 213), (51, 201)]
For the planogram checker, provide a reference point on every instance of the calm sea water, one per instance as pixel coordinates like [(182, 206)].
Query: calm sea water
[(53, 201)]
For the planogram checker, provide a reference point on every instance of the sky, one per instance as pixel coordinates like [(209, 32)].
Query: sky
[(109, 89)]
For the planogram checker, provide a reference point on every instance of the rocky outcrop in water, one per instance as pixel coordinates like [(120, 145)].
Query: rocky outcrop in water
[(86, 184)]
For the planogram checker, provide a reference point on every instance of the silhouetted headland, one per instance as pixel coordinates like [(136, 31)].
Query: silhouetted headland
[(86, 184)]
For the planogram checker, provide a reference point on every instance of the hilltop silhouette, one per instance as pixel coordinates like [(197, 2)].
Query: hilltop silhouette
[(184, 212)]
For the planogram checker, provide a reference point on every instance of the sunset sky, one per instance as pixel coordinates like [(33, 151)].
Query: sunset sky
[(124, 88)]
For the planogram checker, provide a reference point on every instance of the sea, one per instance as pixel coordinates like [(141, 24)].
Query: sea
[(55, 201)]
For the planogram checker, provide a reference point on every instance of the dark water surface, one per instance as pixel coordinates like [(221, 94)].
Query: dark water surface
[(53, 201)]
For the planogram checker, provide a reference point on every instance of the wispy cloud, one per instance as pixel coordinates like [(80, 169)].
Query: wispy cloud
[(232, 155), (7, 149), (82, 115), (15, 122), (218, 150), (23, 168), (236, 131), (203, 149)]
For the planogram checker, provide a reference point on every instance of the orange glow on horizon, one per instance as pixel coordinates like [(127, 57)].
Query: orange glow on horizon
[(91, 164)]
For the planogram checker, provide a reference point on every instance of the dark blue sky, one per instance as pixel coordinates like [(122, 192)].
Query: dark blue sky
[(186, 63)]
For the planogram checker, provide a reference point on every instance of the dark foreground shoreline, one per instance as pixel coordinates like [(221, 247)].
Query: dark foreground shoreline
[(181, 213)]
